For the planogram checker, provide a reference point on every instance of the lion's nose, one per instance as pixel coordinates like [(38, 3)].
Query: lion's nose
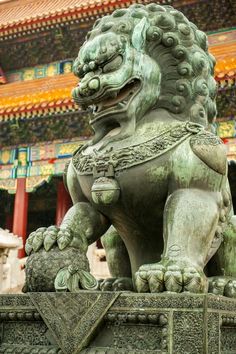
[(94, 84), (89, 87)]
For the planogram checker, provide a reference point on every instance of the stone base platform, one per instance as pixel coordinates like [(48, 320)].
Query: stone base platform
[(122, 323)]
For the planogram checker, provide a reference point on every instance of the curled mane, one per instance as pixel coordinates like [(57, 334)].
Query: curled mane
[(188, 88)]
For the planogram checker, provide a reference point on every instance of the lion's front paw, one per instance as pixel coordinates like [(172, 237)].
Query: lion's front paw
[(117, 284), (47, 237), (171, 277), (225, 286)]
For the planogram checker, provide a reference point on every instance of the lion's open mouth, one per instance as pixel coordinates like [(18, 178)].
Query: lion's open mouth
[(116, 100)]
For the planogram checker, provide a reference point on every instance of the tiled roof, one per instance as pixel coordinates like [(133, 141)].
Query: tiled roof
[(37, 97), (223, 44), (19, 17), (223, 47), (23, 10), (24, 15), (37, 86), (225, 69)]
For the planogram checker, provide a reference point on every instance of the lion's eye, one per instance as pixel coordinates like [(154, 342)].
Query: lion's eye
[(113, 65)]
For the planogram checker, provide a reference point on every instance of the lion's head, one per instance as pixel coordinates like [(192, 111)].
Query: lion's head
[(143, 58)]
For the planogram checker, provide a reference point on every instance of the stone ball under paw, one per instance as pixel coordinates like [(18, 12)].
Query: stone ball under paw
[(42, 267)]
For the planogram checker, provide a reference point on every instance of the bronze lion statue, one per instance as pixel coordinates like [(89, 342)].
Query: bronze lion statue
[(152, 182)]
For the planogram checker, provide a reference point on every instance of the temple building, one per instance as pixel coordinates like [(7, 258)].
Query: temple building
[(40, 125)]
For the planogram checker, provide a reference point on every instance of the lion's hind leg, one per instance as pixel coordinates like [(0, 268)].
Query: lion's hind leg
[(222, 267), (190, 220)]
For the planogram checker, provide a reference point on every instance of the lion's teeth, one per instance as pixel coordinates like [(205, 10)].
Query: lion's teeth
[(99, 107), (120, 105)]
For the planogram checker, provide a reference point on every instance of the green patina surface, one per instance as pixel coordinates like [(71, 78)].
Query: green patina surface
[(153, 180)]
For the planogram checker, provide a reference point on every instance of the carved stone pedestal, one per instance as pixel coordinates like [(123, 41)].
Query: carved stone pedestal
[(95, 322)]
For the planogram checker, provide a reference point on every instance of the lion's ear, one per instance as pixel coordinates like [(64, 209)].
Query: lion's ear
[(139, 34)]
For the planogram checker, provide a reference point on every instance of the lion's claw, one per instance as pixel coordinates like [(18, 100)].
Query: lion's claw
[(38, 239), (192, 280), (225, 286), (157, 278), (48, 237), (173, 279), (29, 243), (64, 238), (155, 281), (230, 289), (116, 284)]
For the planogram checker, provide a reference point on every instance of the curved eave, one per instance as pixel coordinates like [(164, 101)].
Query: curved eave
[(225, 70), (37, 97), (42, 14)]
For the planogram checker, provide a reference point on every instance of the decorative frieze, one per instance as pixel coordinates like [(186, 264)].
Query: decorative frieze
[(118, 323)]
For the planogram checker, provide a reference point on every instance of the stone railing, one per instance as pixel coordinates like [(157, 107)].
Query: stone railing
[(11, 276)]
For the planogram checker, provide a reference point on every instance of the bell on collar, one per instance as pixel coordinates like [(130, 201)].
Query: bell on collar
[(105, 191)]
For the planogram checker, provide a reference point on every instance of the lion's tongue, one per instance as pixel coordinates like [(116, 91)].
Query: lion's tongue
[(112, 101)]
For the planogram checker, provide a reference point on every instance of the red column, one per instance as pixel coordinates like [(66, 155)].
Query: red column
[(63, 202), (20, 213), (9, 222)]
